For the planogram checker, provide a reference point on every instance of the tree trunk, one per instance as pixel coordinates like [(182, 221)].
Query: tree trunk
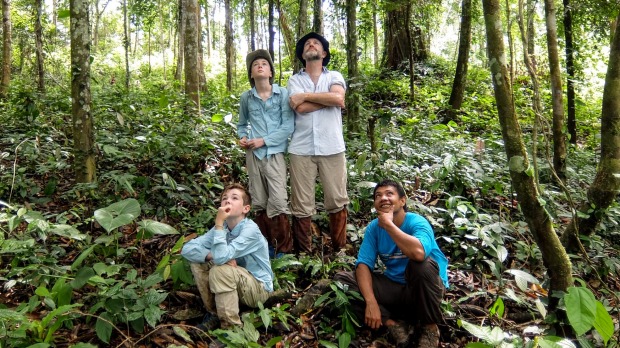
[(317, 23), (559, 138), (398, 35), (531, 33), (127, 44), (302, 27), (554, 256), (230, 48), (352, 97), (510, 42), (192, 78), (536, 102), (178, 73), (38, 39), (84, 150), (6, 48), (606, 185), (271, 29), (375, 35), (207, 29), (570, 72), (287, 33), (460, 76), (201, 66), (252, 26)]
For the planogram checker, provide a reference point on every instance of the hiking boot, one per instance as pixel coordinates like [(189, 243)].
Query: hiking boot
[(400, 334), (209, 322), (302, 234), (338, 229), (429, 337)]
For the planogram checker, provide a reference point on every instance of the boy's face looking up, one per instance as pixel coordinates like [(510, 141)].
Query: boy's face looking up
[(261, 68), (388, 197), (237, 201)]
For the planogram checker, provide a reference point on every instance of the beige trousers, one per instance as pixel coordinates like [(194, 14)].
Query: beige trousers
[(331, 170), (223, 287), (267, 183)]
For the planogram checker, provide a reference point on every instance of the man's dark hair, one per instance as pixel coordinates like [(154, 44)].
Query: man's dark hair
[(399, 189)]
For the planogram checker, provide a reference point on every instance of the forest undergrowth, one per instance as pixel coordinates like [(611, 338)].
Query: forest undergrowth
[(86, 265)]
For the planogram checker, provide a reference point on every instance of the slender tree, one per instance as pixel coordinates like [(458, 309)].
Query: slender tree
[(604, 190), (38, 39), (202, 78), (352, 97), (252, 25), (460, 76), (375, 35), (178, 73), (7, 48), (271, 29), (559, 137), (84, 150), (126, 44), (554, 255), (230, 48), (317, 22), (302, 28), (570, 72), (192, 53)]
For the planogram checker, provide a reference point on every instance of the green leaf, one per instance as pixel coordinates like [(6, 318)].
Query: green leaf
[(67, 231), (517, 164), (555, 342), (497, 308), (104, 328), (182, 333), (344, 340), (78, 261), (580, 308), (118, 214), (64, 13), (83, 345), (603, 323), (42, 291), (522, 278), (152, 315), (477, 345), (58, 312), (153, 227), (82, 277), (216, 118), (40, 345), (327, 344)]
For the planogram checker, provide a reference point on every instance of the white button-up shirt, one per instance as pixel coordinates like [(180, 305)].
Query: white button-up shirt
[(317, 133)]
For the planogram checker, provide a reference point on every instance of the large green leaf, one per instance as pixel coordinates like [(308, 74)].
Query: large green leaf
[(603, 323), (149, 228), (103, 328), (118, 214), (580, 308)]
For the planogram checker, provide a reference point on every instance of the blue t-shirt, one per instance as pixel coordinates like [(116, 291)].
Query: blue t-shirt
[(378, 243)]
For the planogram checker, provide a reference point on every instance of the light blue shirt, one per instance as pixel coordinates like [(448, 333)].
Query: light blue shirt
[(271, 120), (317, 133), (244, 243), (378, 243)]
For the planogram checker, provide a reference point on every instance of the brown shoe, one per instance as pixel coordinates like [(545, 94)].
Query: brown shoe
[(400, 334), (429, 337), (281, 237), (302, 234), (338, 228)]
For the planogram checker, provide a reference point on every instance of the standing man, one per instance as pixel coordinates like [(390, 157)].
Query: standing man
[(265, 124), (410, 289), (317, 146)]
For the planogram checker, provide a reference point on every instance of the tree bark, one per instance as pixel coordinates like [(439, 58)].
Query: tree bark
[(38, 39), (570, 71), (510, 42), (460, 76), (302, 27), (6, 49), (178, 73), (271, 29), (352, 96), (398, 35), (252, 26), (230, 48), (375, 35), (287, 33), (606, 185), (559, 138), (201, 66), (554, 255), (317, 23), (192, 53), (84, 151), (127, 44)]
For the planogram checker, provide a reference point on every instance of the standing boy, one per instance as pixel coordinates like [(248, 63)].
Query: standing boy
[(230, 262), (265, 124), (317, 146)]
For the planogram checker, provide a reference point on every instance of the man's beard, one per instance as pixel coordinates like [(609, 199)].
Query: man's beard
[(311, 56)]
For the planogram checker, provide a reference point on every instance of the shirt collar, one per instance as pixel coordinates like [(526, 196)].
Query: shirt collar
[(274, 90)]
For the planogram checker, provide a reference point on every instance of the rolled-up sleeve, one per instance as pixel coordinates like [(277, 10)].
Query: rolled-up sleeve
[(240, 246), (197, 249)]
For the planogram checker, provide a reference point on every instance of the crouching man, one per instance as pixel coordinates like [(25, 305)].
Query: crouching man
[(410, 290), (230, 262)]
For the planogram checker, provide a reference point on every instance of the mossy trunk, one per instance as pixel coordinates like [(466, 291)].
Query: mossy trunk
[(554, 256), (192, 53)]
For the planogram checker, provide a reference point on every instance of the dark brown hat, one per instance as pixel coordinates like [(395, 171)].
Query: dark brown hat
[(299, 48), (252, 56)]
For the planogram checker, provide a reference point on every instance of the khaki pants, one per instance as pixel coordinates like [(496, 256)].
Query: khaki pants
[(223, 287), (331, 170), (267, 183)]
